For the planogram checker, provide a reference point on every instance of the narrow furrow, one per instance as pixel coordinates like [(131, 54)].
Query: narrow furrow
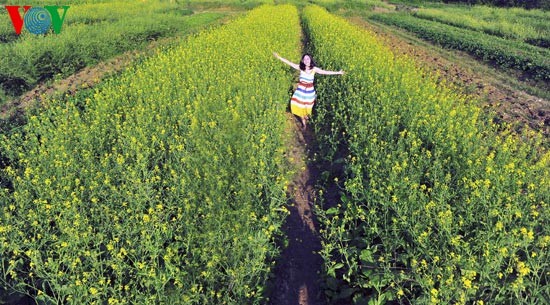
[(297, 273)]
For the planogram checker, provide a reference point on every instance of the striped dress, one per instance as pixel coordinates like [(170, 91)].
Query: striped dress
[(303, 98)]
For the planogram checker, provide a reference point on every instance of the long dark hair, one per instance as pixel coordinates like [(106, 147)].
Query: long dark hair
[(311, 64)]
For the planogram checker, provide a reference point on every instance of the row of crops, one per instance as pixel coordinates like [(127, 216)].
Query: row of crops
[(351, 6), (530, 26), (92, 14), (509, 38), (165, 185), (437, 206), (89, 34)]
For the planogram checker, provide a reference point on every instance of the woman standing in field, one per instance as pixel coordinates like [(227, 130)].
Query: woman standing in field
[(303, 99)]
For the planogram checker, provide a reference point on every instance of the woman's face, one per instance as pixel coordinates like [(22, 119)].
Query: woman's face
[(307, 61)]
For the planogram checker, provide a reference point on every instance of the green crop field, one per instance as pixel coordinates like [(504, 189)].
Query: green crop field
[(168, 182), (438, 207), (90, 33), (531, 26)]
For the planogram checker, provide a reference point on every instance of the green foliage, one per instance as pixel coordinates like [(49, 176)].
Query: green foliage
[(530, 26), (530, 4), (527, 4), (503, 52), (165, 185), (350, 7), (92, 33), (437, 205), (334, 6), (237, 4)]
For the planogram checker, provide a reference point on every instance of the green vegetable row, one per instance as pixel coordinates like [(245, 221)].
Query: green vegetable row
[(504, 53), (35, 58), (89, 13), (530, 27)]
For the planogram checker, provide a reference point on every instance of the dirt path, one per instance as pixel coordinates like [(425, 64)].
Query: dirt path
[(510, 105), (92, 75), (297, 270), (85, 78)]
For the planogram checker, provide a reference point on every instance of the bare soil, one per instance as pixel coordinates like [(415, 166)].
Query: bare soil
[(90, 76), (297, 272), (85, 78), (510, 105)]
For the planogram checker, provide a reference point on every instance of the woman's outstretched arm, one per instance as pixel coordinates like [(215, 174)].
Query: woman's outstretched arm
[(293, 65), (321, 71)]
